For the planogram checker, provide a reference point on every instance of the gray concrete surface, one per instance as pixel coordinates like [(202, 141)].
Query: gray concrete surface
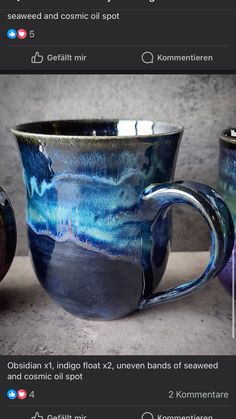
[(31, 324), (205, 104)]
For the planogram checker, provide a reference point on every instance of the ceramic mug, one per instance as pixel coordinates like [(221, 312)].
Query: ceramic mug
[(227, 186), (98, 200), (7, 234)]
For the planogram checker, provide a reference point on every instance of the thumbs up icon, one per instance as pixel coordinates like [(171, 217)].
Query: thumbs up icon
[(37, 58), (37, 416)]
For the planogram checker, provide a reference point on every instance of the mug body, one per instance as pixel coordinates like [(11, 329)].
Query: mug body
[(227, 185), (91, 235)]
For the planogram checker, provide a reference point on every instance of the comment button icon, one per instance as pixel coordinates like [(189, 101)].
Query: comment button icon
[(147, 57), (147, 415)]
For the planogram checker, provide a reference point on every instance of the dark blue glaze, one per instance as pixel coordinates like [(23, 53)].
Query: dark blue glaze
[(227, 186), (94, 243), (7, 234)]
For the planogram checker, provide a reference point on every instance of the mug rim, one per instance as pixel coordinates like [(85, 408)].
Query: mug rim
[(228, 138), (23, 130)]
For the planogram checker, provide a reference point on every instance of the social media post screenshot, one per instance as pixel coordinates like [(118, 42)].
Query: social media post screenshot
[(117, 210), (97, 192)]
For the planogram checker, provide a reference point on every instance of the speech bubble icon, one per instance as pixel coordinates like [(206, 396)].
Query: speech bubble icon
[(147, 57), (147, 415)]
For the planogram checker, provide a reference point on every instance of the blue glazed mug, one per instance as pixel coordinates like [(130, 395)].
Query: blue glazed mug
[(227, 187), (7, 234), (98, 200)]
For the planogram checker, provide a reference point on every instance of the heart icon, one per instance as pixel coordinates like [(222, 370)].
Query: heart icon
[(21, 394), (21, 34)]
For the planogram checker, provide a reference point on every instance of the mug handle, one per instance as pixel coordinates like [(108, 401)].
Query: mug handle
[(218, 218)]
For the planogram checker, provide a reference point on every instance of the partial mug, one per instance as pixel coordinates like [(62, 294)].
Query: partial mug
[(8, 235), (227, 186)]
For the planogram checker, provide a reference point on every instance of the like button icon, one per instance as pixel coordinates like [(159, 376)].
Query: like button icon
[(37, 58), (12, 394), (37, 416)]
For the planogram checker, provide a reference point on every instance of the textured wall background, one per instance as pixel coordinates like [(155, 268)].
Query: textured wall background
[(204, 104)]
